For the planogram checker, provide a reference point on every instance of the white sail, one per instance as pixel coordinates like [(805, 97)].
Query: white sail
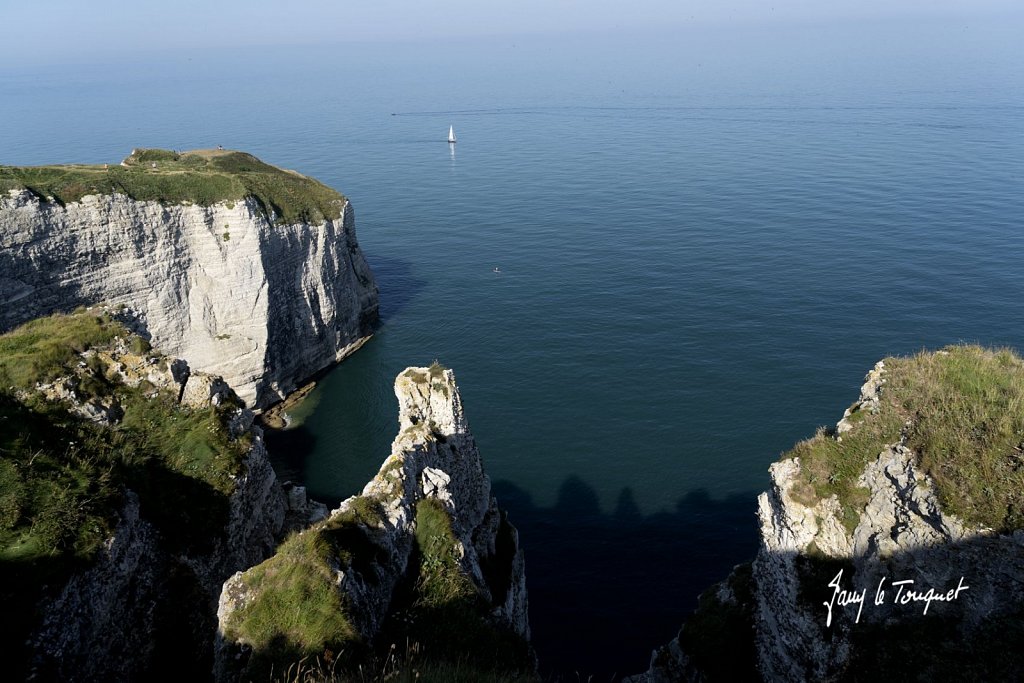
[(451, 133)]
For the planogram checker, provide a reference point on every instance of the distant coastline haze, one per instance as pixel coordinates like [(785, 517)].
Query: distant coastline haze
[(58, 30)]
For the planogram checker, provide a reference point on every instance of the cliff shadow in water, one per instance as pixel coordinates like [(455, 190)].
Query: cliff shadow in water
[(606, 589), (288, 450), (396, 281)]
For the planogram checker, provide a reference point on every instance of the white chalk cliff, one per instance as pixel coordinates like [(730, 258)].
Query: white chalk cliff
[(264, 305), (902, 534)]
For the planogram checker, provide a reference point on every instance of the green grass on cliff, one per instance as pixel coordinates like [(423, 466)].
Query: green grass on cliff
[(203, 177), (297, 613), (63, 478), (41, 349), (967, 412), (963, 408), (440, 579), (444, 613), (297, 610)]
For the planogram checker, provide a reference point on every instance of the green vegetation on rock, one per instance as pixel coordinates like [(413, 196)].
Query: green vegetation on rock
[(444, 613), (41, 349), (441, 579), (63, 477), (960, 410), (294, 610), (436, 370), (415, 376), (203, 177)]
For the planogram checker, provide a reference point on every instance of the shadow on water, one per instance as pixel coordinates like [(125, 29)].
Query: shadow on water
[(288, 450), (654, 565), (394, 276)]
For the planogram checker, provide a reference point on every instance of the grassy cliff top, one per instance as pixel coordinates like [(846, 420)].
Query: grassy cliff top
[(203, 177), (961, 410)]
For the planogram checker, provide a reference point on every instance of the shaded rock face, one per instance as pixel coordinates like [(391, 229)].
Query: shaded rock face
[(434, 456), (262, 305), (142, 611), (903, 535), (95, 622), (144, 608)]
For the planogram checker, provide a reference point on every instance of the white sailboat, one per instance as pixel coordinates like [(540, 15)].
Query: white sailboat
[(451, 134)]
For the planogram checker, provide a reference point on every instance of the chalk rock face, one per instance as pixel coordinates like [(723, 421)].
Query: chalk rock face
[(105, 623), (260, 304), (95, 623), (902, 535), (433, 457)]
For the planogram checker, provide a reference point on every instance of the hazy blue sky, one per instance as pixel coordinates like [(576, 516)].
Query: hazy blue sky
[(55, 29)]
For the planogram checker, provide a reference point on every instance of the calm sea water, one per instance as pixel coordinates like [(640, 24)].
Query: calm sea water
[(705, 241)]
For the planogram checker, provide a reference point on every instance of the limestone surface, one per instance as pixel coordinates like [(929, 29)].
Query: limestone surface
[(263, 305)]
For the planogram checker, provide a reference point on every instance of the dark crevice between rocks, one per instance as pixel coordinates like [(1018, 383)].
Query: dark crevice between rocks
[(498, 569)]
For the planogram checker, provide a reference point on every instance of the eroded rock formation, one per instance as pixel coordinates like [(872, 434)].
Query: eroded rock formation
[(146, 602), (434, 459)]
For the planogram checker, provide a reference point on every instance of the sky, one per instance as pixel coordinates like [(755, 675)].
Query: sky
[(62, 30)]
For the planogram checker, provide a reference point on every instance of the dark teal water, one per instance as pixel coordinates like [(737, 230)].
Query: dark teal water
[(704, 240)]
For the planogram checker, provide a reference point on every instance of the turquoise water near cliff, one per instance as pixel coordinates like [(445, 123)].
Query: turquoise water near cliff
[(705, 241)]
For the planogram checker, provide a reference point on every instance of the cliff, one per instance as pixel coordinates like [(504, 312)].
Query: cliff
[(423, 556), (245, 270), (891, 545), (131, 488)]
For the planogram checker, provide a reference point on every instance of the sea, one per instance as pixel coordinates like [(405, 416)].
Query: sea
[(655, 261)]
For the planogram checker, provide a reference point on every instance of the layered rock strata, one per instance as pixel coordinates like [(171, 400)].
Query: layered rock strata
[(262, 304)]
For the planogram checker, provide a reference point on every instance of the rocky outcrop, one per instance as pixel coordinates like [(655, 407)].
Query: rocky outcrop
[(116, 620), (146, 605), (903, 536), (435, 458), (831, 599), (262, 304)]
